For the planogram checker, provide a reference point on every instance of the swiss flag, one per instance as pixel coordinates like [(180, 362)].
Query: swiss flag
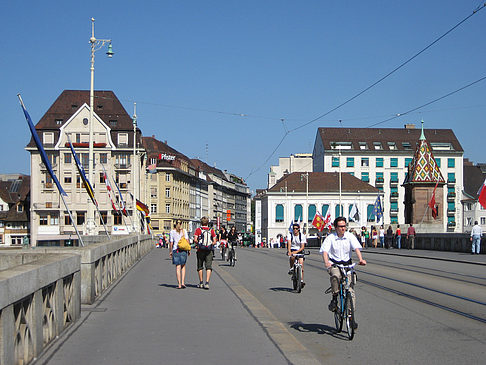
[(482, 195)]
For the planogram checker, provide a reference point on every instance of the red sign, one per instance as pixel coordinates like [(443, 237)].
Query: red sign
[(228, 215)]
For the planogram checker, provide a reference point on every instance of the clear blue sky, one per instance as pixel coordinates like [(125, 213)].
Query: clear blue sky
[(194, 66)]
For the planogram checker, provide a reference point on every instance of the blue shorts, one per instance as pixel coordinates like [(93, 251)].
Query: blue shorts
[(179, 257)]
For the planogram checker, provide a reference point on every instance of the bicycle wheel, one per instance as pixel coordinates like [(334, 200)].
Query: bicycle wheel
[(294, 279), (233, 261), (338, 316), (222, 253), (298, 278), (349, 315)]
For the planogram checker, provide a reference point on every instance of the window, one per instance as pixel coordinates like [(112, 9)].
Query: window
[(451, 162), (338, 210), (325, 208), (377, 145), (104, 217), (79, 218), (123, 139), (48, 138), (43, 220), (67, 219), (393, 162), (58, 121), (350, 162), (153, 208), (335, 162), (370, 212), (392, 145), (379, 162), (113, 122), (365, 176), (117, 219), (122, 160), (363, 146), (483, 221), (167, 177), (102, 178), (103, 158), (406, 145), (20, 208), (451, 177), (67, 158), (279, 213), (54, 220), (394, 189), (407, 162), (437, 160), (153, 192), (451, 206), (468, 221), (394, 220), (298, 212), (394, 206), (84, 159), (365, 162), (394, 177), (154, 224), (78, 137), (167, 192), (167, 208), (311, 212), (379, 177)]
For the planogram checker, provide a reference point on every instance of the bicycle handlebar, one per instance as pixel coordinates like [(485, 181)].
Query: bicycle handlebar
[(301, 254)]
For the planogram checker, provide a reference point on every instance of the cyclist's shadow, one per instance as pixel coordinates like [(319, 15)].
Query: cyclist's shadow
[(318, 328)]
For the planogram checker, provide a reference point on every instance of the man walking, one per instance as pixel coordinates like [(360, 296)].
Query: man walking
[(411, 236), (205, 239), (476, 234)]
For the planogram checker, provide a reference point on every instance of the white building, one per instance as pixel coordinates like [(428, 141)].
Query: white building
[(300, 162), (474, 176)]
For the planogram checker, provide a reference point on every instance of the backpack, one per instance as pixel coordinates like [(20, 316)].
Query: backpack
[(205, 240)]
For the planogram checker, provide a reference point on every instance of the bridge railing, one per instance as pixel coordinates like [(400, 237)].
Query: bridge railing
[(41, 290)]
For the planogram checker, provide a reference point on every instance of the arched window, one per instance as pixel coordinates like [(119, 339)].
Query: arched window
[(339, 210), (370, 213), (298, 212), (279, 213), (312, 212), (325, 208)]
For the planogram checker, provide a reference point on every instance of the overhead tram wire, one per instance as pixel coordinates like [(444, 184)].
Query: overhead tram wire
[(479, 8)]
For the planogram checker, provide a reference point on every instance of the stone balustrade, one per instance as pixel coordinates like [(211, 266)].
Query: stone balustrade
[(41, 289)]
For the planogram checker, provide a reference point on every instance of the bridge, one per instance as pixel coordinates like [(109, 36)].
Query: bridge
[(117, 303)]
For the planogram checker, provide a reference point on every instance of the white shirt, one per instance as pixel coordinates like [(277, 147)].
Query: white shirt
[(476, 231), (176, 236), (340, 249), (295, 242)]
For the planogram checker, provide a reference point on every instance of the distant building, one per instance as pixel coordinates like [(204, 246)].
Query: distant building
[(14, 209), (474, 176), (299, 162)]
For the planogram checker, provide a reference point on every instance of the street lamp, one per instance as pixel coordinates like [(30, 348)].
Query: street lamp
[(134, 170), (306, 177), (96, 44)]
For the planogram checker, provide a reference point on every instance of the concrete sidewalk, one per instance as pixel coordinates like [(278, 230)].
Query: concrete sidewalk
[(144, 319)]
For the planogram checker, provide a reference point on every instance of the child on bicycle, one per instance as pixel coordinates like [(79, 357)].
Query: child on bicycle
[(337, 249), (295, 244)]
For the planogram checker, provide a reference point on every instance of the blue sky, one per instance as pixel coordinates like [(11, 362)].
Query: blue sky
[(224, 73)]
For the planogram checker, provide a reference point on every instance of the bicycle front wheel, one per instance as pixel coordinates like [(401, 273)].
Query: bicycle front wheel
[(233, 258), (298, 278), (349, 315)]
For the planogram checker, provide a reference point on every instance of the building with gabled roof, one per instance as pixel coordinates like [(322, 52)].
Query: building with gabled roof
[(14, 209), (474, 177)]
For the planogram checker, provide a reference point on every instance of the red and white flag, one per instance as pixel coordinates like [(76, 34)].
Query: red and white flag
[(432, 204), (482, 195), (327, 220), (318, 222), (108, 187)]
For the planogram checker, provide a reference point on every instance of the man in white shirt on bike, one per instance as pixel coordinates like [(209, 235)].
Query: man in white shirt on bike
[(295, 244), (337, 249)]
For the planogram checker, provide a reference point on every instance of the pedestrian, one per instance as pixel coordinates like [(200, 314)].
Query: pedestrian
[(389, 237), (205, 239), (374, 236), (179, 257), (398, 236), (411, 237), (382, 236), (367, 236), (476, 234), (364, 236)]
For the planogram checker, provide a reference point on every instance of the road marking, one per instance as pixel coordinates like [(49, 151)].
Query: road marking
[(287, 343)]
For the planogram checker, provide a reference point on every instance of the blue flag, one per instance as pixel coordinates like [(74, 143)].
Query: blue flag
[(291, 229), (378, 209), (41, 150)]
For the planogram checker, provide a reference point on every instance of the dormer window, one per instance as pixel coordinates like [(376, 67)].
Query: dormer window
[(113, 122), (363, 146), (377, 145), (341, 145), (58, 121), (406, 145), (20, 208), (392, 145), (74, 106), (48, 138), (99, 106), (122, 139)]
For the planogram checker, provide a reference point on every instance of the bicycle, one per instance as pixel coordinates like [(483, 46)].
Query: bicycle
[(345, 306), (231, 253), (297, 271)]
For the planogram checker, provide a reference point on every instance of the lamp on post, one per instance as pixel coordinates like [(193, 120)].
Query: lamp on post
[(306, 177), (96, 44), (134, 170)]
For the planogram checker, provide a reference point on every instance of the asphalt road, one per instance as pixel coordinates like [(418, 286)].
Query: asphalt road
[(410, 310)]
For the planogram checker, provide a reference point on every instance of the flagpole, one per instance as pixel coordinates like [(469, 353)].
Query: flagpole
[(72, 220), (102, 220)]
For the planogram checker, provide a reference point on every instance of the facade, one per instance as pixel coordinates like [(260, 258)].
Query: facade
[(380, 156), (113, 147), (474, 176), (300, 162), (14, 209), (296, 199)]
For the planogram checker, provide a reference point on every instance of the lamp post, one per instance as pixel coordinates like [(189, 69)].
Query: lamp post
[(134, 170), (96, 44), (306, 177)]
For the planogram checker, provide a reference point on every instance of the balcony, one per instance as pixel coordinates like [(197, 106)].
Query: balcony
[(122, 166), (379, 181), (451, 212), (451, 181), (46, 205)]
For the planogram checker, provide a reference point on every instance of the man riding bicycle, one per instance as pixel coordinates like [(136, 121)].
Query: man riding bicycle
[(337, 249), (232, 239), (295, 244)]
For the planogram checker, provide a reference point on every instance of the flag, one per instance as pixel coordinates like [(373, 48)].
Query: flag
[(318, 222), (152, 168), (354, 213), (482, 195), (40, 148), (86, 183), (378, 209), (122, 202), (432, 205), (291, 229), (327, 220), (108, 187), (142, 207)]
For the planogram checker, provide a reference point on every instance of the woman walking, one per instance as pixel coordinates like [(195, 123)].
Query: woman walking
[(179, 257)]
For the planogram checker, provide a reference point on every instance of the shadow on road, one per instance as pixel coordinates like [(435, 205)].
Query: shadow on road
[(318, 328), (282, 289)]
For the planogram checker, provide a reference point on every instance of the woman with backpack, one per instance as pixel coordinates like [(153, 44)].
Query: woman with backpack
[(179, 256)]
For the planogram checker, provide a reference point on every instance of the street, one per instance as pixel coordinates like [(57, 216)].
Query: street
[(410, 310)]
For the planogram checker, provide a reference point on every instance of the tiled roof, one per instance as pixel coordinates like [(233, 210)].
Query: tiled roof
[(202, 166), (155, 147), (15, 192), (423, 168), (473, 179), (385, 135), (322, 182)]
